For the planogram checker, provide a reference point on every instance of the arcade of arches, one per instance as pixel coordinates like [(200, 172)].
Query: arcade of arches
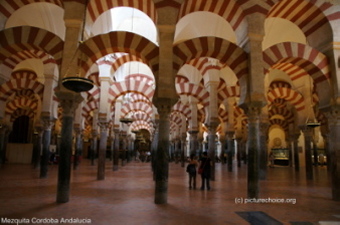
[(241, 78)]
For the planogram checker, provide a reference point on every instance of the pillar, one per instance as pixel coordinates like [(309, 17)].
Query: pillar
[(263, 150), (116, 150), (3, 131), (230, 149), (333, 116), (69, 103), (37, 148), (212, 126), (296, 152), (46, 140), (78, 147), (254, 146), (103, 124), (307, 133), (94, 145), (161, 162)]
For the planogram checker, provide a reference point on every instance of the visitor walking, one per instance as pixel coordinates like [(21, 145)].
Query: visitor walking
[(205, 170)]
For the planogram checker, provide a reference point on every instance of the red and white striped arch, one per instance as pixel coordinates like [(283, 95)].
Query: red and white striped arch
[(182, 108), (88, 108), (227, 91), (119, 41), (141, 124), (194, 90), (282, 123), (293, 71), (229, 10), (223, 114), (214, 47), (21, 103), (141, 77), (124, 59), (120, 88), (23, 80), (22, 112), (301, 55), (139, 116), (312, 61), (12, 61), (96, 8), (279, 84), (309, 16), (8, 7), (181, 79), (137, 107), (284, 112), (25, 38), (288, 94)]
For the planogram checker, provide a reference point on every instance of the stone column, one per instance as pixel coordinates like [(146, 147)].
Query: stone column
[(307, 133), (327, 149), (78, 147), (37, 148), (183, 144), (194, 148), (103, 124), (254, 115), (46, 140), (69, 102), (161, 169), (263, 150), (123, 145), (3, 131), (212, 125), (230, 149), (296, 151), (94, 145), (333, 117), (116, 150), (239, 151)]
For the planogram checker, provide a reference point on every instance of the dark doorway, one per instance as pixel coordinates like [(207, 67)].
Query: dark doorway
[(19, 133)]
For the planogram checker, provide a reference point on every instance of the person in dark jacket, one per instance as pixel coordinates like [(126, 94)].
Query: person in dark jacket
[(205, 165)]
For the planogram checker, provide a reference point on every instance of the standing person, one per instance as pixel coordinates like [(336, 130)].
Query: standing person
[(191, 169), (205, 166)]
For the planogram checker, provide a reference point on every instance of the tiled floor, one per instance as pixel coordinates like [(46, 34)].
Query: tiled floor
[(126, 196)]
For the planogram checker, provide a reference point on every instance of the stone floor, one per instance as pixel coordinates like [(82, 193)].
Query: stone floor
[(126, 196)]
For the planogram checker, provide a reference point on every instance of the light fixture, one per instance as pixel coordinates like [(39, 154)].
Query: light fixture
[(126, 120)]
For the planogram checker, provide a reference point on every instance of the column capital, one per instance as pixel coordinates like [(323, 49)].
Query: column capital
[(69, 101), (212, 123), (306, 130), (77, 128), (164, 105)]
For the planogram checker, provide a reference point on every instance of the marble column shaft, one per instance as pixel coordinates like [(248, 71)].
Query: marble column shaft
[(46, 140), (69, 103), (3, 131), (230, 149), (161, 170), (333, 117), (37, 147), (194, 148), (78, 148), (307, 132), (102, 150), (263, 152), (115, 161), (253, 151)]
